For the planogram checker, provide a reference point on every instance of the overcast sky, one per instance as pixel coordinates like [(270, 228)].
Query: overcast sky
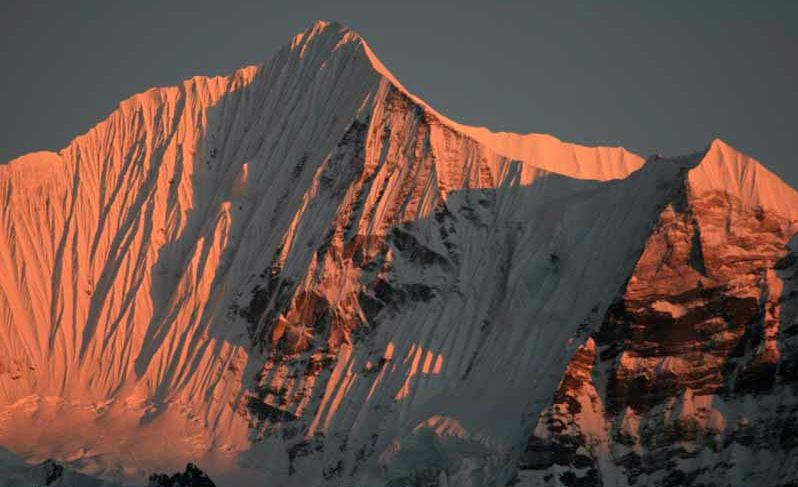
[(651, 76)]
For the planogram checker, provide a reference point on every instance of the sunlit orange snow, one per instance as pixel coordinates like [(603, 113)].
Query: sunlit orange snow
[(199, 276)]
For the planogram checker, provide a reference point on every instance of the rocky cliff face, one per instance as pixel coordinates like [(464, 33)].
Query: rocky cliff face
[(687, 379), (301, 274)]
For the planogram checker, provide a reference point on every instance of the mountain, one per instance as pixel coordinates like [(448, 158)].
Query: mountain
[(302, 274)]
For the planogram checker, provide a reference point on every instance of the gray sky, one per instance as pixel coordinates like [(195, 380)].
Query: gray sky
[(651, 76)]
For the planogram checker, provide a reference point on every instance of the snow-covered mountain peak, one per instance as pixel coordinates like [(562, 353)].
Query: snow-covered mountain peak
[(324, 37), (325, 44), (302, 274), (537, 150)]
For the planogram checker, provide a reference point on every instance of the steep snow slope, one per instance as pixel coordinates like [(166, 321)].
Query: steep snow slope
[(301, 274)]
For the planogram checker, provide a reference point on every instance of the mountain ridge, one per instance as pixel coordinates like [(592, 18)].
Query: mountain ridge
[(518, 145), (513, 145), (301, 273)]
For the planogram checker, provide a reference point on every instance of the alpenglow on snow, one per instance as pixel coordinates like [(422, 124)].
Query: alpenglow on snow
[(302, 274)]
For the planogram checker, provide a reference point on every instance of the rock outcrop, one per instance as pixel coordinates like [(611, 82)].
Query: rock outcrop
[(191, 477)]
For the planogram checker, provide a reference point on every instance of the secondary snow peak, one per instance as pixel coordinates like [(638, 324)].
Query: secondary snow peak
[(726, 170)]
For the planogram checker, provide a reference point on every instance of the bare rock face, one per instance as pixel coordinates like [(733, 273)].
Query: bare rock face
[(51, 472), (687, 380), (302, 274)]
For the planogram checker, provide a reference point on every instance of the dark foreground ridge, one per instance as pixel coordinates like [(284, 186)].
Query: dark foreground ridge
[(192, 477)]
